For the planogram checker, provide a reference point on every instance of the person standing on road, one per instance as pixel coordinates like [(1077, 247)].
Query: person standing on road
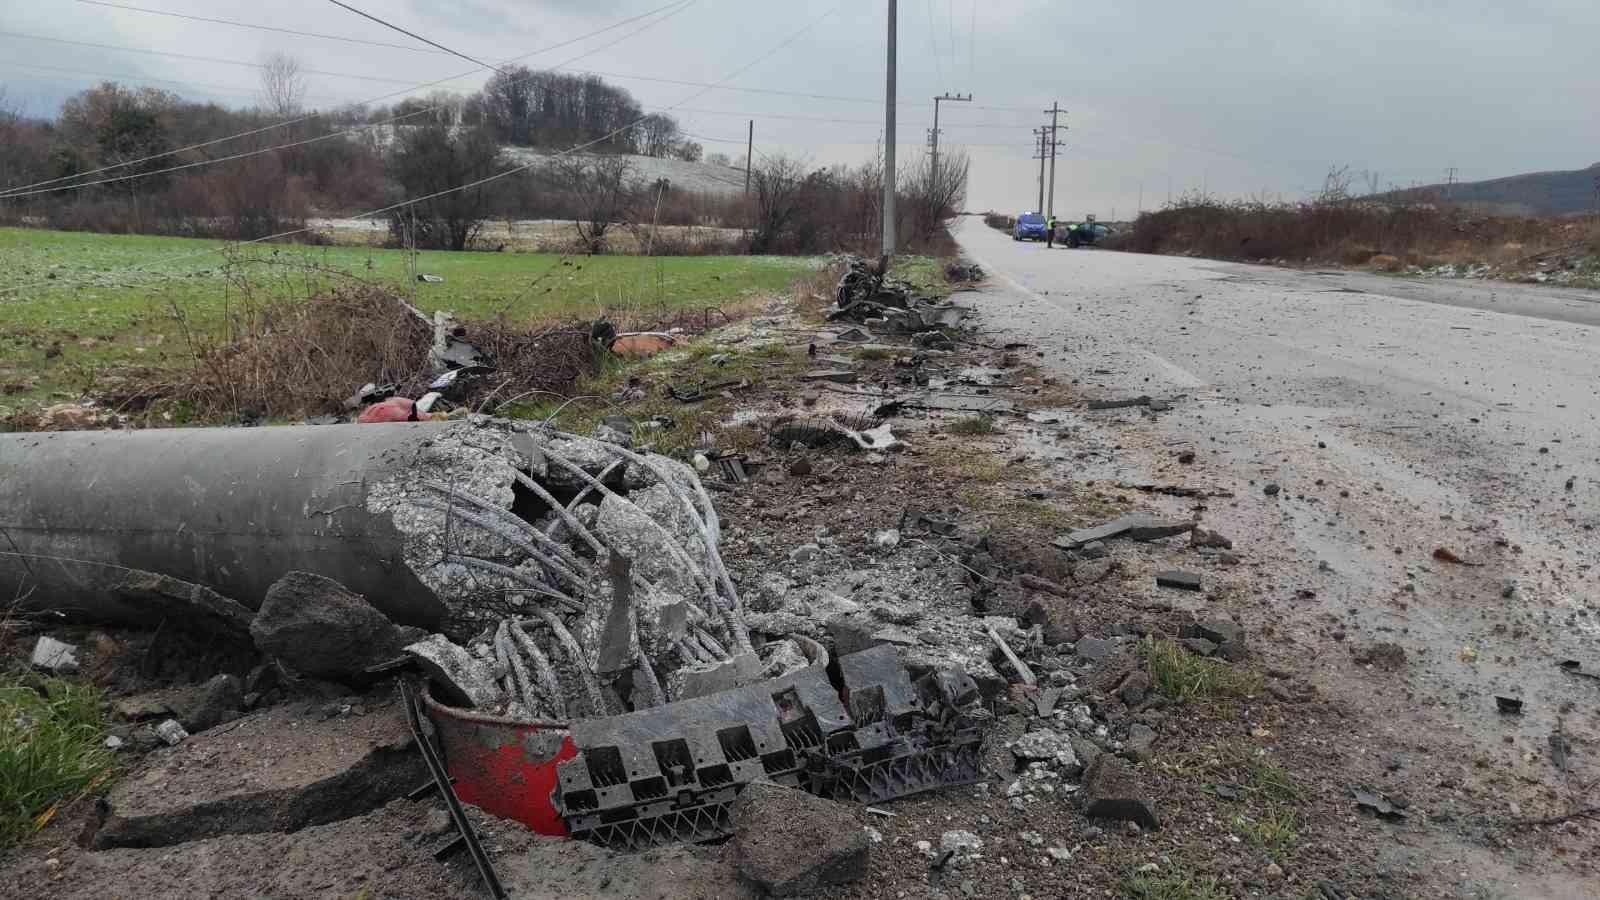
[(1050, 233)]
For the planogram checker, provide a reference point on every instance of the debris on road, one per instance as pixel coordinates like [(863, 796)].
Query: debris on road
[(1135, 527), (1378, 805), (1177, 580), (1509, 706), (1142, 400)]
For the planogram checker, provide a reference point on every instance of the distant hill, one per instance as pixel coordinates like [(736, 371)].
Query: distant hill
[(1537, 193)]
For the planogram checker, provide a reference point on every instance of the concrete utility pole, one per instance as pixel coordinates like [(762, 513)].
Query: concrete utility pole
[(1055, 116), (1450, 183), (933, 136), (749, 158), (888, 146), (1042, 134)]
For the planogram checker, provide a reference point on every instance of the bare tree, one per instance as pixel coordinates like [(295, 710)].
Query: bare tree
[(936, 192), (283, 85), (778, 184), (604, 189)]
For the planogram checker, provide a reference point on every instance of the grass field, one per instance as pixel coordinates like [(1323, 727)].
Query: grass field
[(75, 307)]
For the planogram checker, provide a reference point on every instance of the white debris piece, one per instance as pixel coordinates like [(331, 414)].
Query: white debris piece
[(58, 657), (171, 732)]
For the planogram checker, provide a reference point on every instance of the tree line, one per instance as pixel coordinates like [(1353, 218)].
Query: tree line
[(135, 148)]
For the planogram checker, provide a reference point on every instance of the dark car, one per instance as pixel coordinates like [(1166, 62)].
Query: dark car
[(1090, 232), (1029, 227)]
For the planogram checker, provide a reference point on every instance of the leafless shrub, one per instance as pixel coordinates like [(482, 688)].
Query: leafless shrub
[(604, 190), (935, 190)]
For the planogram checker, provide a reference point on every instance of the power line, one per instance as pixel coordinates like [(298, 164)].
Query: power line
[(412, 34), (207, 59), (485, 180), (933, 42), (272, 28), (136, 79), (671, 9)]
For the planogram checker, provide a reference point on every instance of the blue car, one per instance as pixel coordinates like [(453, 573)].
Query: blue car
[(1029, 227)]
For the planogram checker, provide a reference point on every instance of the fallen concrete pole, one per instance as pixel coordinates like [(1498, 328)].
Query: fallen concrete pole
[(84, 513)]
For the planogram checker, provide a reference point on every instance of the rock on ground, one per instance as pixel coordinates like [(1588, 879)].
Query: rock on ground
[(319, 628), (280, 769), (458, 677), (787, 842), (372, 855), (1111, 791), (57, 657)]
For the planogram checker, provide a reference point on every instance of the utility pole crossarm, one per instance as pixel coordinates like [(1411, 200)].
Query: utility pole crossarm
[(933, 136)]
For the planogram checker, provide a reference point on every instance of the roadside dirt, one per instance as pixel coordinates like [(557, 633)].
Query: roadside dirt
[(1255, 788)]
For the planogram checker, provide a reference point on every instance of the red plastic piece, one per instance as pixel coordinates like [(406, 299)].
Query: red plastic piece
[(394, 409), (505, 767)]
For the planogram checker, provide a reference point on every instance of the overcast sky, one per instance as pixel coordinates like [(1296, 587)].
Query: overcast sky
[(1238, 97)]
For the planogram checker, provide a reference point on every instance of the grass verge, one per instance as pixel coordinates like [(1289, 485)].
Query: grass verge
[(88, 306), (1173, 887), (50, 750), (1183, 676)]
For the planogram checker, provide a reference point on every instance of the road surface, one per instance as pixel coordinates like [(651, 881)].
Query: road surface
[(1398, 416)]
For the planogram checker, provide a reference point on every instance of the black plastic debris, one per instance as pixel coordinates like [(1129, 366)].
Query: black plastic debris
[(1508, 706)]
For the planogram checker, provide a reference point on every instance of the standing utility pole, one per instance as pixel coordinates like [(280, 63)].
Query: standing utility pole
[(1044, 136), (749, 158), (888, 147), (933, 136), (1450, 183), (1055, 124)]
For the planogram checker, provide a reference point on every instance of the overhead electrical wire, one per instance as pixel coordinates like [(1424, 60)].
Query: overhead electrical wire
[(670, 10), (412, 34), (273, 28), (215, 88), (481, 181), (191, 57)]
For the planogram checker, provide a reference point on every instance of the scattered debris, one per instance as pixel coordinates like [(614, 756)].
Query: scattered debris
[(836, 376), (1024, 673), (1111, 791), (1272, 489), (788, 842), (1177, 580), (1560, 750), (1136, 527), (319, 628), (1574, 667), (172, 733), (640, 344), (1378, 805), (1200, 537), (1509, 706), (1142, 400), (394, 409), (56, 657), (1445, 554), (1389, 657)]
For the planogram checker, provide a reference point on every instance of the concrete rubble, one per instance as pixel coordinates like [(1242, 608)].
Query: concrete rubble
[(787, 842)]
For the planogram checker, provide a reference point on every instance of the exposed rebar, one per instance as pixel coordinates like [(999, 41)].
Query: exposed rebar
[(548, 678), (509, 536), (569, 646), (533, 585)]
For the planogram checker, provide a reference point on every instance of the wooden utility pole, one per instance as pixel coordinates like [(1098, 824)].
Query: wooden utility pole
[(749, 158)]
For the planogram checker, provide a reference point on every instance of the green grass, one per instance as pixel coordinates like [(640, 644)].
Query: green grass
[(701, 364), (89, 304), (1274, 831), (1183, 676), (972, 425), (1237, 762), (1173, 887), (50, 750)]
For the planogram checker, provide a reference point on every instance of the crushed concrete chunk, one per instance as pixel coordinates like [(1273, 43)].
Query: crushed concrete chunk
[(709, 678), (172, 733), (458, 677), (1111, 791), (319, 628), (280, 769), (1135, 527), (788, 842)]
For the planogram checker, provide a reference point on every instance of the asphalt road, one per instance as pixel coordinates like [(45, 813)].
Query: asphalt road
[(1398, 416)]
